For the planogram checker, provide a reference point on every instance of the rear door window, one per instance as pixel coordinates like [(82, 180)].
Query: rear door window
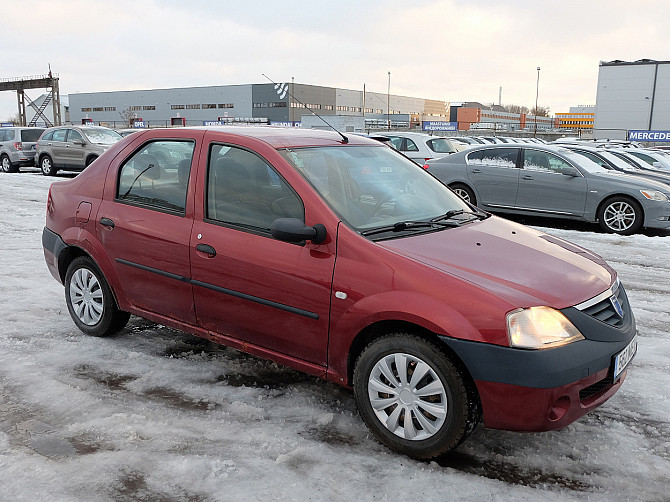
[(536, 160), (157, 176), (500, 157), (59, 135)]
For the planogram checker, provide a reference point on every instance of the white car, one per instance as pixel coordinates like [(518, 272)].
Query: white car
[(420, 147)]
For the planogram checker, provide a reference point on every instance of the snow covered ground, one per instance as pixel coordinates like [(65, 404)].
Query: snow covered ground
[(155, 414)]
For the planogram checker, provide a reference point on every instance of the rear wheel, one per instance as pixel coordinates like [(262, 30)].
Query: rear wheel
[(413, 397), (47, 166), (90, 301), (464, 192), (7, 165), (620, 215)]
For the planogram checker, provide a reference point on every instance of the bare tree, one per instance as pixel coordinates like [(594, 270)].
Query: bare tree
[(127, 116), (16, 119), (516, 109), (542, 111)]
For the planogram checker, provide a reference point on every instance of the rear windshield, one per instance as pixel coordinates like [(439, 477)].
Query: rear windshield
[(31, 135)]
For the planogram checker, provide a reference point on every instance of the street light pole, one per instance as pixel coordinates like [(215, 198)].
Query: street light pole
[(537, 93), (388, 104)]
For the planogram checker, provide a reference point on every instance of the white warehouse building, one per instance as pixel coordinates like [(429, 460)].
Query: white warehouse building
[(633, 98)]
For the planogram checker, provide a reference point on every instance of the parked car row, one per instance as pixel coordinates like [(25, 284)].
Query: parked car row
[(72, 148)]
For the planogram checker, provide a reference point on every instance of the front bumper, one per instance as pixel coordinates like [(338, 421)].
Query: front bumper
[(539, 390)]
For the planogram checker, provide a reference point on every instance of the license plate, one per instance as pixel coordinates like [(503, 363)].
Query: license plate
[(385, 169), (622, 359)]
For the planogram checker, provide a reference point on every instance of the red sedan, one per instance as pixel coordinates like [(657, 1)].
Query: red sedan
[(338, 256)]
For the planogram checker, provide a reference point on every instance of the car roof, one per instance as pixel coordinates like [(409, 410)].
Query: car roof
[(277, 137)]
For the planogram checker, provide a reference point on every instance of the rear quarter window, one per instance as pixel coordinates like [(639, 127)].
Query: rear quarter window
[(31, 135)]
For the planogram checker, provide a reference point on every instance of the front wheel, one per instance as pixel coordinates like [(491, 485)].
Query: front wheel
[(47, 166), (620, 215), (412, 397), (90, 301)]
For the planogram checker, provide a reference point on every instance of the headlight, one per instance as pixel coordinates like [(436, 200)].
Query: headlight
[(540, 328), (655, 195)]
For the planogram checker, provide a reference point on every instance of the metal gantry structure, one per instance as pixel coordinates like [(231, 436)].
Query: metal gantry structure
[(20, 84)]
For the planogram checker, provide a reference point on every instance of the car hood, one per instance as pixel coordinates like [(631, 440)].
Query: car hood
[(631, 180), (514, 262)]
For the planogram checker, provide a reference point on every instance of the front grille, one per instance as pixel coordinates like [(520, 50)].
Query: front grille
[(595, 388), (604, 310)]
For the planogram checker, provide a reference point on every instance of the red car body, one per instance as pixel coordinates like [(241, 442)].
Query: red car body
[(316, 306)]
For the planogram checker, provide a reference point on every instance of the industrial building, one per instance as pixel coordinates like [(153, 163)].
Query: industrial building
[(632, 97), (282, 103)]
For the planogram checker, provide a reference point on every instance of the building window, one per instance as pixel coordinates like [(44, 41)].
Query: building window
[(342, 108), (368, 110), (110, 108), (97, 109), (327, 107), (135, 108), (177, 107), (226, 105), (86, 109), (149, 107), (208, 106), (192, 107), (379, 110), (260, 105), (277, 104)]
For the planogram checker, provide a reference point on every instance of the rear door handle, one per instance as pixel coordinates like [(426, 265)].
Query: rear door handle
[(476, 171), (526, 177), (207, 249), (106, 222)]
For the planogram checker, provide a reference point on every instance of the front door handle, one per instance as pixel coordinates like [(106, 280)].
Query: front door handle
[(527, 177), (207, 249), (106, 222), (476, 171)]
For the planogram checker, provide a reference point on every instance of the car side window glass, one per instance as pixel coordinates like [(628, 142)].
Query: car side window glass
[(73, 135), (48, 135), (499, 157), (536, 160), (396, 142), (59, 135), (411, 146), (594, 158), (157, 175), (244, 190)]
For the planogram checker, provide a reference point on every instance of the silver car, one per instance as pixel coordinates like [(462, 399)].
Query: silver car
[(72, 148), (420, 147), (17, 147), (556, 182)]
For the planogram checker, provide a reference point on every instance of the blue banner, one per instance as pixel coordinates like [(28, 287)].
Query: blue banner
[(440, 126), (648, 135)]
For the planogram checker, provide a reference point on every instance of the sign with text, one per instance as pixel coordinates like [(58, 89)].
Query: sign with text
[(648, 135), (212, 123), (437, 125)]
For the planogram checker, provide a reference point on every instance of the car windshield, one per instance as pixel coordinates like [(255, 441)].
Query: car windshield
[(371, 187), (102, 136)]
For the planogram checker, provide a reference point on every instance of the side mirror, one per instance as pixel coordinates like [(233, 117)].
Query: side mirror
[(295, 230), (570, 171)]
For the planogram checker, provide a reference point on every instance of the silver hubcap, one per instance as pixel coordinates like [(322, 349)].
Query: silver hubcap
[(46, 165), (86, 296), (462, 194), (619, 216), (407, 396), (5, 164)]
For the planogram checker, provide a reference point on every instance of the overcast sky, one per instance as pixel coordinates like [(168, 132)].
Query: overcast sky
[(451, 50)]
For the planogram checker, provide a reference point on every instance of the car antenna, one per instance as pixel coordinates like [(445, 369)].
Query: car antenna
[(344, 138)]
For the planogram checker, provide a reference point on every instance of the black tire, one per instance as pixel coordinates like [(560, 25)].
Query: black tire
[(6, 163), (90, 301), (90, 160), (440, 420), (464, 192), (620, 215), (47, 166)]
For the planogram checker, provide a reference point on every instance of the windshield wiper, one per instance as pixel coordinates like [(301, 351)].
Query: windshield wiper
[(409, 225), (456, 212)]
